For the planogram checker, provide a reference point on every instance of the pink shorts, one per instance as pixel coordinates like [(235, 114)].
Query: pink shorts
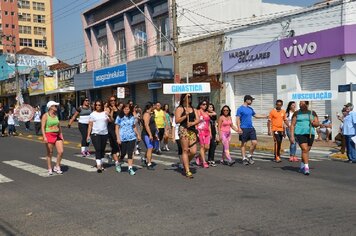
[(53, 137), (204, 138)]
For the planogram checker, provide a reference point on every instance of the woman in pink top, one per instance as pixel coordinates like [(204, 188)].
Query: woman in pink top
[(225, 125), (204, 132)]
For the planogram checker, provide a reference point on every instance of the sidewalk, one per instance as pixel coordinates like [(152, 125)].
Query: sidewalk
[(265, 143)]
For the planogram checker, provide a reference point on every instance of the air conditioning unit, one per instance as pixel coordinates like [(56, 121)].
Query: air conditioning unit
[(20, 14)]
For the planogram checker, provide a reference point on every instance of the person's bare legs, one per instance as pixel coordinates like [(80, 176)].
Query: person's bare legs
[(49, 148), (59, 148)]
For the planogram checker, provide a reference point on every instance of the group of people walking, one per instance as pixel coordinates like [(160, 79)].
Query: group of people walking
[(125, 125)]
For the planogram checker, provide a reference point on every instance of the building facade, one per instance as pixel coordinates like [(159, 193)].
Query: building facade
[(311, 51), (120, 39), (27, 23)]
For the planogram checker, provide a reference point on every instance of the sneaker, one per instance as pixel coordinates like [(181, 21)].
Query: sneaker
[(245, 161), (167, 149), (197, 161), (291, 159), (212, 163), (230, 162), (189, 175), (131, 171), (143, 162), (295, 159), (84, 154), (57, 169), (306, 171), (50, 172), (277, 159), (137, 152), (118, 168), (158, 152), (205, 165), (87, 153), (251, 161), (150, 167)]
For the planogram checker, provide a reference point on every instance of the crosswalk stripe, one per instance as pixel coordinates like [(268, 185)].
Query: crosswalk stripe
[(108, 161), (165, 156), (166, 163), (4, 179), (74, 164), (28, 167)]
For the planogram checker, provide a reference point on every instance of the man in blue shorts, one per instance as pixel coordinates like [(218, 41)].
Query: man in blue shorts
[(245, 128)]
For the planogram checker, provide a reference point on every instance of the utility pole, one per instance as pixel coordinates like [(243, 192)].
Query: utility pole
[(176, 45)]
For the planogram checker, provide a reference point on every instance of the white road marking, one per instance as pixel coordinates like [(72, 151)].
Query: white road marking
[(109, 161), (4, 179), (74, 164), (28, 167)]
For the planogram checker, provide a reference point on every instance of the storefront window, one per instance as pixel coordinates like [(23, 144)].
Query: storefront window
[(140, 40)]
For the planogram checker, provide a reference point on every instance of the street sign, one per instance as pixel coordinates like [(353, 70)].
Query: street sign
[(346, 88), (120, 92), (155, 85), (186, 88), (312, 96)]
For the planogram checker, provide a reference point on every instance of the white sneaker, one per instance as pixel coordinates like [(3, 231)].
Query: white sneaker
[(50, 172), (57, 170), (137, 153)]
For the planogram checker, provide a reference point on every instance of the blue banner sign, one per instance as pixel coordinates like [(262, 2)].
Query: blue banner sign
[(312, 96), (110, 76), (155, 85)]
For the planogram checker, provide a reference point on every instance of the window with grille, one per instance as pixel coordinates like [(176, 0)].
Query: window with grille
[(140, 40), (25, 42), (39, 43), (120, 46), (24, 29), (162, 23), (38, 6), (39, 18), (24, 17), (24, 4), (103, 51), (39, 31)]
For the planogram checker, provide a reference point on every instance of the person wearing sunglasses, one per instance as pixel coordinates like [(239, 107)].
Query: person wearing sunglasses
[(98, 132), (187, 117), (52, 136), (204, 133), (225, 125), (83, 112)]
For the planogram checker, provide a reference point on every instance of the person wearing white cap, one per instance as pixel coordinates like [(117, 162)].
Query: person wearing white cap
[(52, 136)]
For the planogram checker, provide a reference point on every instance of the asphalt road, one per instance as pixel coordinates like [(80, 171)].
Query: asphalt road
[(264, 199)]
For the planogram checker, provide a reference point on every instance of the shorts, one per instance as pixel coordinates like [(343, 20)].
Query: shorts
[(305, 138), (148, 142), (204, 138), (248, 134), (188, 134), (160, 134), (53, 137)]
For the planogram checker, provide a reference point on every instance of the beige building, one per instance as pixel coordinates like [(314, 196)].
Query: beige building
[(26, 23)]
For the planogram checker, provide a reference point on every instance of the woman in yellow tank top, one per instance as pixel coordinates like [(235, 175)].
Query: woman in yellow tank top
[(52, 136)]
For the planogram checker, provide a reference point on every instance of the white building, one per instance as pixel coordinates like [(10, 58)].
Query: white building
[(310, 50), (201, 17)]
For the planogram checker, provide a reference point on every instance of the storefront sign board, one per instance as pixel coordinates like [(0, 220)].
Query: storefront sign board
[(186, 88), (313, 96), (110, 76)]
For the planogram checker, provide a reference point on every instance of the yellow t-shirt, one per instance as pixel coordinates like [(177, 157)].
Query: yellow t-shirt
[(159, 119)]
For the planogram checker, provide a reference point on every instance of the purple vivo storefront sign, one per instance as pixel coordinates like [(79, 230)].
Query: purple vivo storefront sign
[(322, 44), (247, 58)]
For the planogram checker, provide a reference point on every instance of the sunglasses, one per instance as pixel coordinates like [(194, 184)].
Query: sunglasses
[(112, 100), (98, 105), (225, 110), (203, 104)]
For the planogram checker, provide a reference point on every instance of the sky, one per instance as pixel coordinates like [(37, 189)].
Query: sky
[(68, 30)]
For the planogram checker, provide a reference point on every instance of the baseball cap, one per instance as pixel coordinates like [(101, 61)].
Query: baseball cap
[(348, 105), (248, 97), (52, 103)]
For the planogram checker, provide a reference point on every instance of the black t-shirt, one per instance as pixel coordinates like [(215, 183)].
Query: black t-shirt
[(2, 114)]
